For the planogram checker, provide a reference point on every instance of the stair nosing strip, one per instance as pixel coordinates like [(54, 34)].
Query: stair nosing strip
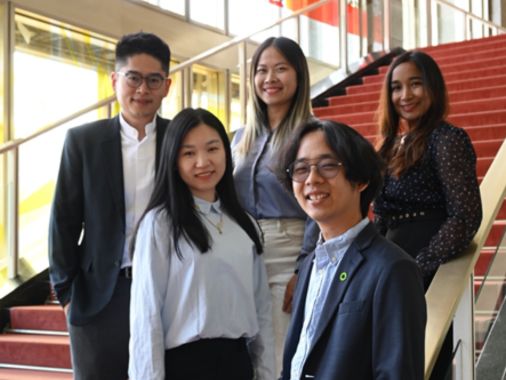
[(35, 368), (37, 332)]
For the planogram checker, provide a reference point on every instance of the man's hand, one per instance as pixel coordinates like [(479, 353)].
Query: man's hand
[(290, 288)]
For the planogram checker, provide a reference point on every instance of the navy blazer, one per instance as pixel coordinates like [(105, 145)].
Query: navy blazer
[(89, 200), (373, 322)]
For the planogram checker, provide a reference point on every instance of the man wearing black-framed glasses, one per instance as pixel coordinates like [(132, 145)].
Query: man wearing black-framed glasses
[(105, 180), (358, 308)]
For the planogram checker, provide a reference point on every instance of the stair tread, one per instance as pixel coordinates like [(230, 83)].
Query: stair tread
[(25, 374), (32, 338)]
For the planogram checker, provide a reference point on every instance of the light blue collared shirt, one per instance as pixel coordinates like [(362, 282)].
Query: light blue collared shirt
[(222, 293), (328, 256)]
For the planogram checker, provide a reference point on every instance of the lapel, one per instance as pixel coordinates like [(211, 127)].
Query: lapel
[(111, 150), (349, 265)]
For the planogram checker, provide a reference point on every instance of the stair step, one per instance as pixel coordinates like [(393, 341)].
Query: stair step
[(40, 317), (32, 374), (496, 233), (38, 350), (456, 85)]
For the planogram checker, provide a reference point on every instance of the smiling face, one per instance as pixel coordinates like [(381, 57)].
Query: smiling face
[(275, 80), (201, 161), (139, 105), (409, 95), (334, 203)]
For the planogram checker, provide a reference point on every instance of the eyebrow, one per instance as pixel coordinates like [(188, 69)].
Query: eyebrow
[(320, 157), (210, 142)]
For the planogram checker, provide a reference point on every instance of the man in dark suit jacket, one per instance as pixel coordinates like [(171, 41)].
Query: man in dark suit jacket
[(359, 308), (105, 180)]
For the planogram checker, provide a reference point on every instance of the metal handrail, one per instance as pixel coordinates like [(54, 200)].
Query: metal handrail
[(198, 58), (451, 291), (470, 15)]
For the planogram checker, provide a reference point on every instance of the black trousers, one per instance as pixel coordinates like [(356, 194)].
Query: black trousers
[(100, 348), (412, 237), (209, 359)]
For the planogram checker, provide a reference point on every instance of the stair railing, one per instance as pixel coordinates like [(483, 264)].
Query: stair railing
[(450, 296), (468, 16), (11, 148)]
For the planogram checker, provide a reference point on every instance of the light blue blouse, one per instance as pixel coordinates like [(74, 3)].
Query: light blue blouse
[(222, 293)]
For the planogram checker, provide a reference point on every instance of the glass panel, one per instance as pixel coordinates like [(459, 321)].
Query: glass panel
[(209, 91), (3, 224), (176, 6), (451, 24), (67, 60), (39, 160), (208, 12), (173, 103), (235, 104), (248, 16), (492, 290), (353, 35)]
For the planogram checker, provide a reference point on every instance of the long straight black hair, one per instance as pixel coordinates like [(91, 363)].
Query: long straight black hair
[(172, 194)]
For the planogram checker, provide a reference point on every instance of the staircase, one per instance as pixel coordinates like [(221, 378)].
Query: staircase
[(476, 81), (36, 344)]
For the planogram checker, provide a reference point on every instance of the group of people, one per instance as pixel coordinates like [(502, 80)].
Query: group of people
[(177, 254)]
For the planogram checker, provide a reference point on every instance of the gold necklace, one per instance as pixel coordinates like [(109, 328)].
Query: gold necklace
[(218, 226)]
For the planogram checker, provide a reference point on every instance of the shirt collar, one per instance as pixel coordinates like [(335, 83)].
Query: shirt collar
[(331, 250), (206, 207), (131, 132)]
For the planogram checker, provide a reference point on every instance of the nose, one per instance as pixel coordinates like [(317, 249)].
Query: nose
[(143, 87), (406, 92), (202, 160), (270, 77), (314, 175)]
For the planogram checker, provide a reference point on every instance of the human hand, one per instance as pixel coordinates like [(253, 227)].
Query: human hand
[(290, 288)]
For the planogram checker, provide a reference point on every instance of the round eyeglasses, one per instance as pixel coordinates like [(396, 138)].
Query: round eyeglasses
[(135, 79), (327, 168)]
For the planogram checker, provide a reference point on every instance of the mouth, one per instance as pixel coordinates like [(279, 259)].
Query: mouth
[(408, 107), (271, 90), (316, 197), (205, 175), (142, 101)]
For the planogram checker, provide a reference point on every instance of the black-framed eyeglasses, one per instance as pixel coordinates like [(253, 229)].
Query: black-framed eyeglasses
[(328, 168), (134, 79)]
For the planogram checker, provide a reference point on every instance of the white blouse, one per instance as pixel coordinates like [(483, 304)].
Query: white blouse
[(222, 293)]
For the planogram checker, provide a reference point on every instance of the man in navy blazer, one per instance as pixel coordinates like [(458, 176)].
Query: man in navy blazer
[(105, 180), (359, 308)]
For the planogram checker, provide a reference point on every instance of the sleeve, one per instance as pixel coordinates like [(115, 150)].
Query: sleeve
[(455, 163), (149, 285), (399, 318), (66, 221), (261, 346)]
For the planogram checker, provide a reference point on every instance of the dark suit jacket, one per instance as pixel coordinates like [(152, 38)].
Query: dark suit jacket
[(89, 201), (373, 323)]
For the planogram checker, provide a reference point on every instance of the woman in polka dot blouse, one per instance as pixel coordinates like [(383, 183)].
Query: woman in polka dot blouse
[(430, 204)]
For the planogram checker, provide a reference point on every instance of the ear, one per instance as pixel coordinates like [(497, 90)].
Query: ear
[(114, 79), (362, 186)]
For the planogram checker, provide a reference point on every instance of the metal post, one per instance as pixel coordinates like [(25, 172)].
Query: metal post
[(12, 213), (429, 22), (386, 25), (243, 77), (343, 36), (463, 331), (187, 86)]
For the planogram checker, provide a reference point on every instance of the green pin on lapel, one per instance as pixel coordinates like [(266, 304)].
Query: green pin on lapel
[(343, 276)]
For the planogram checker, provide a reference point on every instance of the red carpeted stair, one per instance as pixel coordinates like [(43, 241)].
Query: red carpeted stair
[(35, 345), (476, 81)]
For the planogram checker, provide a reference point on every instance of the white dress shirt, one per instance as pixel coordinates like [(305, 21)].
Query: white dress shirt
[(328, 256), (138, 176), (222, 293)]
